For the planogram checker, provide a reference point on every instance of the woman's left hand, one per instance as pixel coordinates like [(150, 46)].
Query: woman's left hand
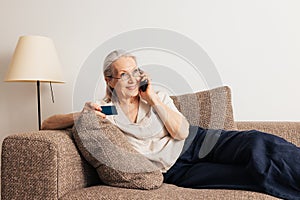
[(149, 94)]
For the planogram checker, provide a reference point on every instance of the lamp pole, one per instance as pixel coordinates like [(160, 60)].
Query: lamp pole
[(39, 103)]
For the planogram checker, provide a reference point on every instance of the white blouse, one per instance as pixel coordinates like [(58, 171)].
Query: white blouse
[(148, 135)]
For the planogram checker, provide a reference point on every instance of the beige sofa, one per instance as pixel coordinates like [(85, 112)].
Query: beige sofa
[(47, 165)]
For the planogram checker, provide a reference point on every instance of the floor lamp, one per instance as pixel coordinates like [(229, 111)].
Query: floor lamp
[(35, 60)]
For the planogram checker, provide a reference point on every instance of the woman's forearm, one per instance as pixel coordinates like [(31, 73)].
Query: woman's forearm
[(60, 121), (175, 123)]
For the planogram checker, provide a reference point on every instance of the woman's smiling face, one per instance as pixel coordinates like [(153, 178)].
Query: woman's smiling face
[(125, 66)]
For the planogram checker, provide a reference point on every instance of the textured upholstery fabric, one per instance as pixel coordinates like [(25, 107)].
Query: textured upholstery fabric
[(166, 192), (107, 149), (207, 109), (42, 165)]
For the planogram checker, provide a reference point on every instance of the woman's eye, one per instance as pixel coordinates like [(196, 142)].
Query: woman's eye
[(122, 75), (136, 72)]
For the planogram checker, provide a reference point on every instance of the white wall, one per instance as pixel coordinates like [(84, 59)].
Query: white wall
[(253, 44)]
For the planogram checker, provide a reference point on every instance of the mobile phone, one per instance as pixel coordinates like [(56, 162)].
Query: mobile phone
[(143, 85), (109, 110)]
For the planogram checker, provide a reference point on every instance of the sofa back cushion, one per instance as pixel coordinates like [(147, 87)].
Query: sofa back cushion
[(208, 109)]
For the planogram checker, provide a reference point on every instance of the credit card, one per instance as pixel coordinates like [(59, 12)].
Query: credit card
[(109, 110)]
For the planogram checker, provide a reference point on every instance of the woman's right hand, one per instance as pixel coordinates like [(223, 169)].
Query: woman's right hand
[(90, 106)]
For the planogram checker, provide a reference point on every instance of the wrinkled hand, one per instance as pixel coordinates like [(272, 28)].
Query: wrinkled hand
[(90, 106)]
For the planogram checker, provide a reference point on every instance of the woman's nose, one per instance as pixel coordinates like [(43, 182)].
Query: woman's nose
[(131, 78)]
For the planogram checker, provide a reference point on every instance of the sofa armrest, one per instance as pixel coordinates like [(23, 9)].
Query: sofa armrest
[(42, 165), (288, 130)]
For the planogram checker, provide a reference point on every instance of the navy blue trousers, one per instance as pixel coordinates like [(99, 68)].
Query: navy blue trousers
[(246, 160)]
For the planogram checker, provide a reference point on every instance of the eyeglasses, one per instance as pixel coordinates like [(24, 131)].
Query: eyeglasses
[(125, 76)]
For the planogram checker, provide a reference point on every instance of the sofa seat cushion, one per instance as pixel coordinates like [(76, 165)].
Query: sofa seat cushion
[(107, 149), (165, 192), (208, 109)]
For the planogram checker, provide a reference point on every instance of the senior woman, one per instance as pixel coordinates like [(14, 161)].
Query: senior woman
[(249, 160)]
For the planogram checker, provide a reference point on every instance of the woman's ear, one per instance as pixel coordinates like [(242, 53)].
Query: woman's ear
[(108, 81)]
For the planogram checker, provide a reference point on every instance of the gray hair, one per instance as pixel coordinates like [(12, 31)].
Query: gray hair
[(108, 70)]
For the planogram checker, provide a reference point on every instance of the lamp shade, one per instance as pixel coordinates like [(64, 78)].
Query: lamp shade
[(35, 59)]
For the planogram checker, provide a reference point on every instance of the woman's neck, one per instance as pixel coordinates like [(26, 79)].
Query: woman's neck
[(130, 107), (129, 101)]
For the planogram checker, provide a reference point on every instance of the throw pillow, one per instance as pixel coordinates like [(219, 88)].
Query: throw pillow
[(106, 148), (208, 109)]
